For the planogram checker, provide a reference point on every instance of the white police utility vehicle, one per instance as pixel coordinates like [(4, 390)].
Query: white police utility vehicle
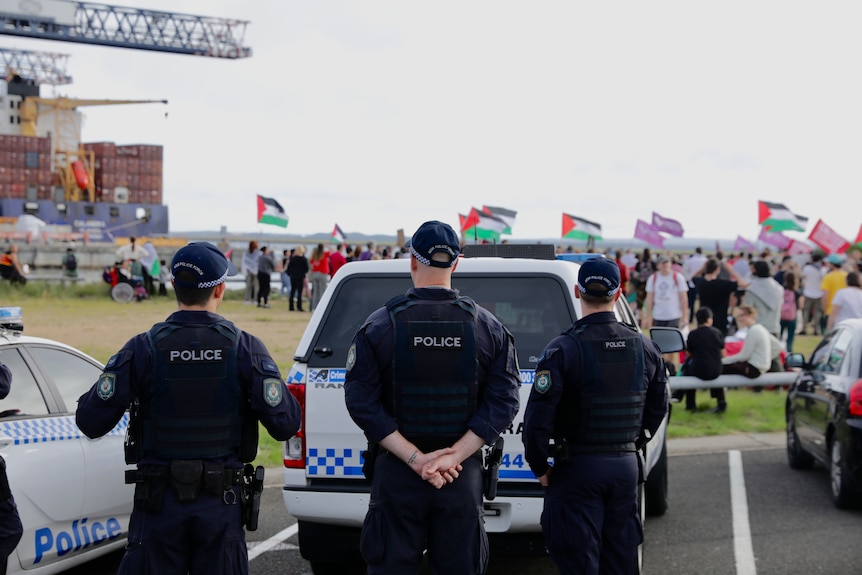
[(324, 487), (69, 489)]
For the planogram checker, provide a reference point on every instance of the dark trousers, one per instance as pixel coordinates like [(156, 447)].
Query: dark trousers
[(296, 292), (10, 522), (204, 537), (407, 515), (263, 279), (590, 517)]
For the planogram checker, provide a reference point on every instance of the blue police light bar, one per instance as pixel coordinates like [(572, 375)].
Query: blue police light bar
[(579, 257), (12, 318)]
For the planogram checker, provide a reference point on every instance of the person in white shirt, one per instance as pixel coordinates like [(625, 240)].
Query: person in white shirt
[(812, 308), (666, 302), (667, 297), (847, 302)]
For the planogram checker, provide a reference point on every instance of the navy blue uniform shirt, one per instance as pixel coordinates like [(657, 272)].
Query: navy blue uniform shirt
[(499, 388), (96, 417), (562, 359)]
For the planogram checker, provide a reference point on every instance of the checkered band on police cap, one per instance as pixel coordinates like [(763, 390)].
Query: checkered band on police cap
[(205, 261), (599, 270), (433, 237)]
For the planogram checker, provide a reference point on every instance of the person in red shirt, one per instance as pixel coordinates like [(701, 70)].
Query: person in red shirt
[(319, 274), (336, 260)]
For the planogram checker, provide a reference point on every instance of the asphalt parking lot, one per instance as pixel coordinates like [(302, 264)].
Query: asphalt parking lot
[(736, 508)]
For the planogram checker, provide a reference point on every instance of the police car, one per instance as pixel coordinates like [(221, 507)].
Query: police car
[(69, 489), (324, 487)]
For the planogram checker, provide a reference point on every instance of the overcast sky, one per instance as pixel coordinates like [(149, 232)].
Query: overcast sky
[(380, 115)]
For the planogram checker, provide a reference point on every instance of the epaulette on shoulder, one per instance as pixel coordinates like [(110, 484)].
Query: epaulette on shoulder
[(399, 303), (468, 305)]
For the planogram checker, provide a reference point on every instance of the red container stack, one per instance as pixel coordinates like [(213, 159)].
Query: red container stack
[(25, 167), (137, 167)]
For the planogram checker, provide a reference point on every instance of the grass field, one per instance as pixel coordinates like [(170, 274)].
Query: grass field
[(88, 319)]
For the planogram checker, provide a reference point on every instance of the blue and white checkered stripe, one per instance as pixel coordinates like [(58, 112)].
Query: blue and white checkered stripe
[(332, 462), (47, 429)]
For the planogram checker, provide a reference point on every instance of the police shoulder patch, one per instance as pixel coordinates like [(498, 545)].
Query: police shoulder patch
[(351, 357), (107, 385), (542, 381), (272, 391)]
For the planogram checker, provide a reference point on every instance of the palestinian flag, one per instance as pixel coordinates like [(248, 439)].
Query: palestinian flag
[(269, 211), (337, 235), (507, 216), (778, 218), (580, 229), (480, 226)]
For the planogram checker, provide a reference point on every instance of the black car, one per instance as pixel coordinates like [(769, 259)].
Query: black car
[(824, 411)]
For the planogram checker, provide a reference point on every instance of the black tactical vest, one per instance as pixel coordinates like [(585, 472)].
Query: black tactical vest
[(195, 406), (434, 388), (606, 410)]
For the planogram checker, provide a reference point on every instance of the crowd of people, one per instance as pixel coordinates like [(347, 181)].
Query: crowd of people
[(303, 279), (757, 304)]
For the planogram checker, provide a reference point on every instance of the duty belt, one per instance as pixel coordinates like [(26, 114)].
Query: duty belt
[(187, 477)]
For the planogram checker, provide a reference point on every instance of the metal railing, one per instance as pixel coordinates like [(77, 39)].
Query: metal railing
[(770, 378)]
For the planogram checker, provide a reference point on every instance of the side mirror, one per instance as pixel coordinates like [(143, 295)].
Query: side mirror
[(668, 339), (794, 360)]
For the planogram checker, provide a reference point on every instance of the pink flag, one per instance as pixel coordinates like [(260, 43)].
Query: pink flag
[(743, 245), (666, 225), (796, 247), (828, 239), (649, 234), (776, 239)]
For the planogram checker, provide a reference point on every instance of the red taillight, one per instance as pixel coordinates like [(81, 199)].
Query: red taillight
[(294, 448), (855, 406)]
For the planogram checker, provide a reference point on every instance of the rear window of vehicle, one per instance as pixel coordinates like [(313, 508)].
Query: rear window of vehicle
[(534, 308)]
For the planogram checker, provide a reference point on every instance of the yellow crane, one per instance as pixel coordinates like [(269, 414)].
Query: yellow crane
[(66, 138)]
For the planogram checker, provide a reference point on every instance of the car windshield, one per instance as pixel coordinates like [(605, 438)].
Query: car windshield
[(535, 308)]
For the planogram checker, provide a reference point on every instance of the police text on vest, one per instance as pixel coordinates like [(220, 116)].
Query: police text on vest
[(437, 341), (186, 355)]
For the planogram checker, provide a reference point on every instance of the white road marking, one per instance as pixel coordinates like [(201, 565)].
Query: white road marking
[(272, 542), (743, 549)]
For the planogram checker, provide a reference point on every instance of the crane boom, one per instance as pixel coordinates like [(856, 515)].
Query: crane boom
[(41, 67), (123, 27)]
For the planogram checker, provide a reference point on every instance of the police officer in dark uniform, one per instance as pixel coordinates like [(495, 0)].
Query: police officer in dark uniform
[(10, 523), (198, 386), (431, 378), (598, 395)]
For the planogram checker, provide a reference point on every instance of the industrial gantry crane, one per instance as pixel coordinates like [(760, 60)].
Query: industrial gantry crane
[(100, 25), (38, 67), (121, 27)]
